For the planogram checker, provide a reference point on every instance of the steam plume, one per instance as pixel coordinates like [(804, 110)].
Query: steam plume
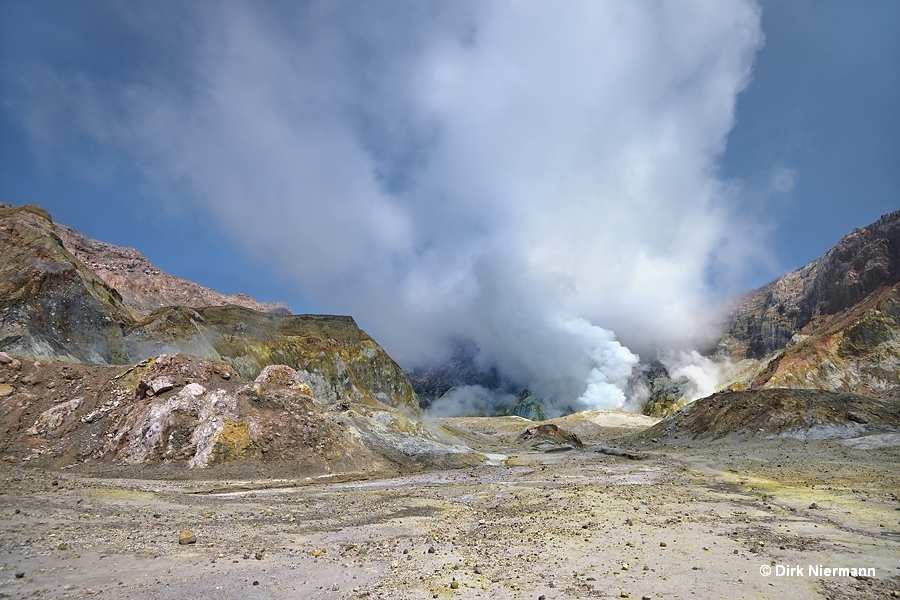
[(537, 177)]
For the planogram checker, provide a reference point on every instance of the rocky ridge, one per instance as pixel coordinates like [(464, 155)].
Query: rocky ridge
[(864, 262), (145, 288), (780, 413), (833, 324), (79, 358)]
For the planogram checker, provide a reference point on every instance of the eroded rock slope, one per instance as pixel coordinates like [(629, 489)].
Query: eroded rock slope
[(88, 378)]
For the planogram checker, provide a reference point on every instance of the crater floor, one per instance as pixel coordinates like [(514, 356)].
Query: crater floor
[(674, 522)]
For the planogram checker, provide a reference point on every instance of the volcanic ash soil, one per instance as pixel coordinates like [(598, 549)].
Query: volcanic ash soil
[(673, 522)]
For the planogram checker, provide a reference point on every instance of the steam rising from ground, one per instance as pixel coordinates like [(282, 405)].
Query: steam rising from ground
[(537, 177), (703, 375)]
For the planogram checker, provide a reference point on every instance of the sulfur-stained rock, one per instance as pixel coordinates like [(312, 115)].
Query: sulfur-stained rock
[(278, 375), (186, 537), (53, 305)]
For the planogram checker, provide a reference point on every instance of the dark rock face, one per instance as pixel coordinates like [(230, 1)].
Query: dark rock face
[(863, 262), (832, 325), (460, 369), (662, 392), (52, 306), (856, 350)]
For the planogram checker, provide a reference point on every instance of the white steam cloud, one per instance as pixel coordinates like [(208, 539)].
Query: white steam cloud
[(533, 176), (704, 376)]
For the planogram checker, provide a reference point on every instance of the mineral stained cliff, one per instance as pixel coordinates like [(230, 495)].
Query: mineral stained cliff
[(833, 324), (192, 385)]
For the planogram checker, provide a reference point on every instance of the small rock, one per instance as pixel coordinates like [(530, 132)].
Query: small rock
[(629, 522), (662, 544), (6, 390), (186, 537), (858, 417), (624, 594), (431, 550), (255, 582), (813, 505), (161, 384), (63, 546), (20, 574), (625, 567), (6, 359), (258, 555), (454, 585)]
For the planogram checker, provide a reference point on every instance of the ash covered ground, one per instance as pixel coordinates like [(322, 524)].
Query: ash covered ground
[(622, 517)]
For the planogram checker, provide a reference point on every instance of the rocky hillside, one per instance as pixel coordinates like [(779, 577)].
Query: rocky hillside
[(142, 286), (52, 306), (864, 263), (832, 325), (179, 416), (192, 386), (767, 414)]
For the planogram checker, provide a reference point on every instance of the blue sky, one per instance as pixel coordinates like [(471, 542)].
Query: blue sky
[(591, 178)]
